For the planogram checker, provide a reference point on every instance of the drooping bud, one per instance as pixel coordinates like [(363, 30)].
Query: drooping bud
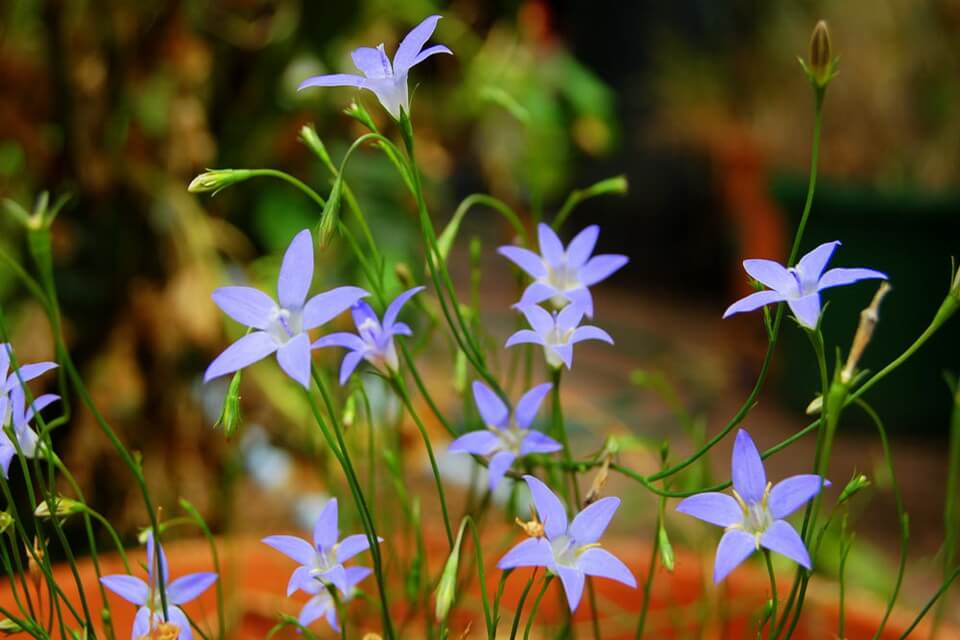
[(216, 180), (62, 507), (599, 481), (230, 416), (666, 549)]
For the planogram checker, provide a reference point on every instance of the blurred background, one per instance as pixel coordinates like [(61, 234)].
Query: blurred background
[(700, 104)]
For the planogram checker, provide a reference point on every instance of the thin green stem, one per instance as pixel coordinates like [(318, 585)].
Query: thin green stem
[(923, 612), (523, 598), (536, 606), (401, 389), (772, 622)]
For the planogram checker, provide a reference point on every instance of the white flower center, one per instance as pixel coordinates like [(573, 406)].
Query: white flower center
[(323, 561), (803, 288), (564, 550), (285, 324), (756, 517), (510, 438), (561, 278)]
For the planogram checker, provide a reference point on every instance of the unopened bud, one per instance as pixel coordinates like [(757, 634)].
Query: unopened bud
[(666, 549), (230, 416), (361, 115), (868, 322), (857, 483), (599, 481), (309, 137), (349, 411), (216, 180), (5, 521), (447, 587), (9, 627), (822, 66), (62, 506), (616, 185), (330, 217)]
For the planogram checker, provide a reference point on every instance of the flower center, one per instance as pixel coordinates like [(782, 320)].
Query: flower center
[(511, 438), (285, 324), (802, 289), (323, 561), (561, 277), (756, 517)]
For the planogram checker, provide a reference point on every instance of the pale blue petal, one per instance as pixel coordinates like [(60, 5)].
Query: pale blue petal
[(792, 493), (588, 332), (356, 575), (349, 365), (326, 529), (565, 353), (141, 623), (550, 246), (715, 508), (188, 587), (531, 552), (771, 274), (393, 309), (430, 51), (337, 576), (753, 302), (784, 539), (179, 618), (498, 466), (569, 317), (536, 442), (334, 80), (160, 562), (529, 404), (806, 309), (536, 293), (315, 608), (572, 580), (525, 259), (841, 277), (490, 406), (39, 404), (812, 265), (412, 44), (400, 329), (294, 548), (588, 526), (242, 353), (324, 307), (28, 372), (352, 545), (552, 513), (749, 476), (248, 306), (524, 336), (372, 62), (581, 298), (539, 318), (301, 578), (294, 359), (296, 271), (601, 563), (131, 589), (346, 340), (735, 546), (481, 443), (580, 248), (600, 268)]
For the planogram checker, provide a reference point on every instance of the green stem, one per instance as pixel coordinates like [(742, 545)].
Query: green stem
[(519, 611), (772, 623), (943, 589), (648, 583), (536, 606), (951, 519), (401, 389)]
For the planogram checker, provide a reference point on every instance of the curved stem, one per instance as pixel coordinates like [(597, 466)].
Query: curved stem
[(536, 606)]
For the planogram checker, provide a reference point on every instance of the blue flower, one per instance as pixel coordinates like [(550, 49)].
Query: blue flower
[(572, 551), (280, 328), (14, 412), (375, 340), (506, 437), (388, 81), (321, 563), (563, 274), (799, 286), (147, 595), (557, 332), (754, 516)]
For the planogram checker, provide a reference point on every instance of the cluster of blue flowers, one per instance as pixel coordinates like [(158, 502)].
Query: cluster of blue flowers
[(554, 304)]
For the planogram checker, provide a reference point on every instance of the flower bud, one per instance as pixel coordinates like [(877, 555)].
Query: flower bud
[(309, 137), (616, 185), (666, 549), (857, 482), (63, 507), (5, 521), (361, 115), (330, 217), (216, 180), (9, 627), (230, 416), (447, 587), (822, 65)]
